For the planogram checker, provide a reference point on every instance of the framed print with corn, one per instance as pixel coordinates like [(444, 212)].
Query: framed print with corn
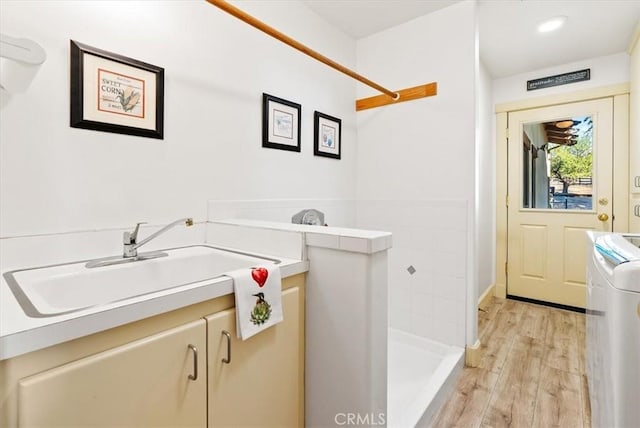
[(113, 93)]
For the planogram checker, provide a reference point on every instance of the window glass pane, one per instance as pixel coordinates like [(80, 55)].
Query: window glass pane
[(557, 164)]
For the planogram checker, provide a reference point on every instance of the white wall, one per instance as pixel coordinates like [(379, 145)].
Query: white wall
[(486, 201), (416, 167), (605, 70), (56, 179)]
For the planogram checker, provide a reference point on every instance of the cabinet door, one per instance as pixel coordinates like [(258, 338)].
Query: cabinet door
[(634, 215), (144, 383), (262, 386)]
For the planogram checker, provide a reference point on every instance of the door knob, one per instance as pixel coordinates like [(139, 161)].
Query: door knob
[(603, 217)]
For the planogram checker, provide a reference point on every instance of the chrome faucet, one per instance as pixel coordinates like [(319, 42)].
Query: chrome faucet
[(130, 239)]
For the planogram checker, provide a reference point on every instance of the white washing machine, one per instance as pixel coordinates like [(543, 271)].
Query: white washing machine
[(613, 330)]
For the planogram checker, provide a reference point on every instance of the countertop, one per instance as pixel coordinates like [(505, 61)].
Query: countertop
[(20, 333)]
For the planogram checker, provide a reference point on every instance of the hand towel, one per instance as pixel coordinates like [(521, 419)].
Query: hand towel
[(258, 293)]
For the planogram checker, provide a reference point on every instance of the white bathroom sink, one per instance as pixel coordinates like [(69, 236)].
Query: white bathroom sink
[(54, 290)]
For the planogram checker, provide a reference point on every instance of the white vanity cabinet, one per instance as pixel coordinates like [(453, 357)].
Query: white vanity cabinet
[(143, 374), (149, 382), (262, 384)]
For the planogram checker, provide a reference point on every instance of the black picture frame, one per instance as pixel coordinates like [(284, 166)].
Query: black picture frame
[(127, 95), (281, 120), (327, 135)]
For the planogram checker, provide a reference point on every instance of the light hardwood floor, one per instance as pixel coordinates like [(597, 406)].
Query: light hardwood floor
[(532, 371)]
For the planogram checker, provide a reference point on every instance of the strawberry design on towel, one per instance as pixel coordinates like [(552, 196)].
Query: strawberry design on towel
[(260, 275), (258, 295)]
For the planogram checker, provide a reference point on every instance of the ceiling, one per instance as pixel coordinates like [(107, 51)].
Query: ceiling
[(509, 42)]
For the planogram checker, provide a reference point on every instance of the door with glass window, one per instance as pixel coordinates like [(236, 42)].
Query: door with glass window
[(560, 185)]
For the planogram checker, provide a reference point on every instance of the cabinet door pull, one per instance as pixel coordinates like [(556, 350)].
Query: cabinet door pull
[(636, 210), (228, 359), (194, 376), (637, 181)]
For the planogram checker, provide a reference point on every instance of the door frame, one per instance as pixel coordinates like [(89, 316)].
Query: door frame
[(620, 95)]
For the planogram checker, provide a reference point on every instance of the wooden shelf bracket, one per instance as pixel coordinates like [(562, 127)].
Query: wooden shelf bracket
[(409, 94), (388, 97)]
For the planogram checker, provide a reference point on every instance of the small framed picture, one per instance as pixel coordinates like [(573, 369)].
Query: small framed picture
[(327, 131), (280, 123), (113, 93)]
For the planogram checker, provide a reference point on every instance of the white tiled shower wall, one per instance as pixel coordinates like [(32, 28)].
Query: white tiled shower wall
[(431, 236)]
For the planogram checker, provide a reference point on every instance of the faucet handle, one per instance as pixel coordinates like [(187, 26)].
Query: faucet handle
[(132, 237)]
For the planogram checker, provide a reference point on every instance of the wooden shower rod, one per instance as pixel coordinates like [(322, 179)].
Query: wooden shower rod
[(389, 97)]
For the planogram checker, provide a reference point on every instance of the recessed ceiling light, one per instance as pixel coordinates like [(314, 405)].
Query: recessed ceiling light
[(551, 24)]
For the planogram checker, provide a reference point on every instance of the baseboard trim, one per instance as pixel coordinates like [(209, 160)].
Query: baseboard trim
[(500, 291), (483, 300), (472, 355)]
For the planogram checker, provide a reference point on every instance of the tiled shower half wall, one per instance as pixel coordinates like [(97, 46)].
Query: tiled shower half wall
[(427, 264)]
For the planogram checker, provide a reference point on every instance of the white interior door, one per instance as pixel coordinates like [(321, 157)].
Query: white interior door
[(560, 186)]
